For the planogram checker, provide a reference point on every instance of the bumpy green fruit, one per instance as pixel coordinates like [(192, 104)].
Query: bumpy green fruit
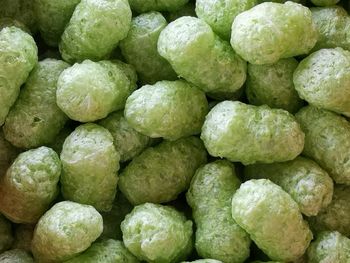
[(307, 183), (18, 56), (6, 237), (336, 217), (53, 16), (64, 231), (30, 185), (220, 14), (272, 218), (35, 119), (142, 6), (273, 85), (168, 109), (91, 90), (217, 236), (161, 173), (106, 251), (146, 29), (83, 39), (333, 25), (127, 141), (271, 31), (201, 57), (250, 134), (323, 80), (16, 256), (90, 164), (157, 234), (327, 141)]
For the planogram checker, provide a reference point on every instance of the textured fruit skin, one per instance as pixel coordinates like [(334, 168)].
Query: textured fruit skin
[(273, 85), (64, 231), (6, 237), (271, 31), (106, 251), (90, 165), (201, 57), (8, 154), (142, 6), (16, 256), (150, 66), (323, 80), (127, 141), (327, 141), (18, 56), (35, 119), (30, 185), (251, 134), (112, 219), (157, 234), (307, 183), (53, 16), (23, 235), (20, 10), (329, 247), (324, 2), (89, 91), (336, 217), (167, 109), (333, 25), (220, 14), (159, 174), (95, 29), (272, 219), (217, 236)]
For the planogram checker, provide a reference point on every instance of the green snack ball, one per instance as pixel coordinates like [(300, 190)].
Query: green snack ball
[(18, 56), (333, 25), (218, 236), (329, 247), (53, 16), (8, 153), (106, 251), (327, 141), (16, 256), (20, 10), (142, 6), (83, 39), (271, 31), (127, 141), (323, 80), (64, 231), (6, 237), (129, 71), (90, 164), (186, 10), (201, 57), (220, 14), (157, 234), (140, 48), (112, 219), (250, 134), (159, 174), (336, 217), (23, 236), (307, 183), (30, 185), (35, 119), (273, 85), (325, 2), (168, 109), (91, 90), (272, 219)]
